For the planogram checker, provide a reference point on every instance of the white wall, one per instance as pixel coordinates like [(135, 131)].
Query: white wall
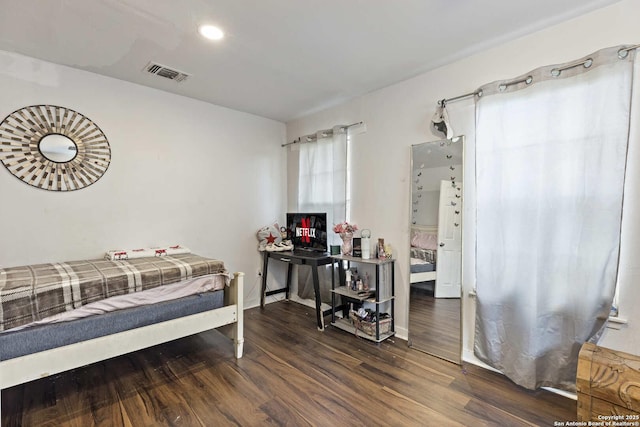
[(182, 171), (398, 116)]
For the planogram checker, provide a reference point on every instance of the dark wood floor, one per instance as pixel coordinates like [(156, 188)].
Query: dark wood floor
[(291, 374), (434, 324)]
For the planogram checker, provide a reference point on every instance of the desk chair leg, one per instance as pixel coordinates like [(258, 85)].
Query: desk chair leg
[(316, 289)]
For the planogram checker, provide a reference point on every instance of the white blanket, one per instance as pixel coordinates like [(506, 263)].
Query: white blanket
[(120, 254)]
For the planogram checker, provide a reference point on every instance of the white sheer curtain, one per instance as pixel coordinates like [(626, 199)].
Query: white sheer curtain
[(322, 178), (550, 168), (322, 187)]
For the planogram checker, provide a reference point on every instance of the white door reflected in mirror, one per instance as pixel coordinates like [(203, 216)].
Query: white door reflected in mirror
[(449, 278), (58, 148)]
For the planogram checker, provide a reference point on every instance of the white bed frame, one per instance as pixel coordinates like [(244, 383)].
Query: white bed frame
[(49, 362), (427, 275)]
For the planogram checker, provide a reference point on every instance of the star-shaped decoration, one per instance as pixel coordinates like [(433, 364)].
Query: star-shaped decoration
[(271, 238)]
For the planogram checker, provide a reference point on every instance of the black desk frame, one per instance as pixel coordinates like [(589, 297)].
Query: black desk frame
[(298, 259)]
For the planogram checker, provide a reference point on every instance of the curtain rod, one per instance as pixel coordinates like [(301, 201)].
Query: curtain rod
[(622, 53), (314, 137), (442, 102)]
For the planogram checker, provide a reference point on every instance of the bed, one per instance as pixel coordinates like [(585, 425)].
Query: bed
[(60, 316), (423, 253)]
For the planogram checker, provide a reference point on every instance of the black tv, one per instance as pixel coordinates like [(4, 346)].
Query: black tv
[(307, 231)]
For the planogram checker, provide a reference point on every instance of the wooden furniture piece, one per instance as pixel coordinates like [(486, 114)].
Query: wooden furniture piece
[(313, 260), (608, 385), (383, 294)]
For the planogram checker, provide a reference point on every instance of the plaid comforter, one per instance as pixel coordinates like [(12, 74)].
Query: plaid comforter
[(428, 255), (34, 292)]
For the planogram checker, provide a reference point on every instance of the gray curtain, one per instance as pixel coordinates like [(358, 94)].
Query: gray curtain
[(551, 151)]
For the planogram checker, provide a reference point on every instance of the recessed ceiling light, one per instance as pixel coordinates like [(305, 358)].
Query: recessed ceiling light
[(211, 32)]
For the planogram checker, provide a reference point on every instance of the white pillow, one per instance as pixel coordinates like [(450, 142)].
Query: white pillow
[(269, 234), (424, 240)]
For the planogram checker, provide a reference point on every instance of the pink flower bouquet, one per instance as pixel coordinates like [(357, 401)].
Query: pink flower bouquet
[(344, 227)]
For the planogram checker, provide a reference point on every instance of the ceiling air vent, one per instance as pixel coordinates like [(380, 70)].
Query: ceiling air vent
[(166, 72)]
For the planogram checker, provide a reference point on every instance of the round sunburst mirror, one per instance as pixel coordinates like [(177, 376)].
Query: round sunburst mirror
[(53, 148)]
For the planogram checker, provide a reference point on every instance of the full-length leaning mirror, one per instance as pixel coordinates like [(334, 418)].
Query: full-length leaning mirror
[(436, 248)]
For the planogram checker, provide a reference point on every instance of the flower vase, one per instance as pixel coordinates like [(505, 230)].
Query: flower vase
[(347, 243)]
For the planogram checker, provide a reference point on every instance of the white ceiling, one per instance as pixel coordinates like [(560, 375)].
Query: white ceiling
[(280, 59)]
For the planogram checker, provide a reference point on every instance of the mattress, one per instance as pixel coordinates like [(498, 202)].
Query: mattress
[(198, 285), (34, 292), (422, 267), (45, 337)]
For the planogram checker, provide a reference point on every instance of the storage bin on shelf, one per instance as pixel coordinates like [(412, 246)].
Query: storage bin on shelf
[(368, 327)]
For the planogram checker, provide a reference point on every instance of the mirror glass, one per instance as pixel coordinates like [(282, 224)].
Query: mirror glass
[(57, 162), (58, 148), (436, 248)]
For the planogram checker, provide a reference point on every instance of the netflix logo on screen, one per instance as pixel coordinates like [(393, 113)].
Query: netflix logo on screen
[(308, 231), (305, 231)]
